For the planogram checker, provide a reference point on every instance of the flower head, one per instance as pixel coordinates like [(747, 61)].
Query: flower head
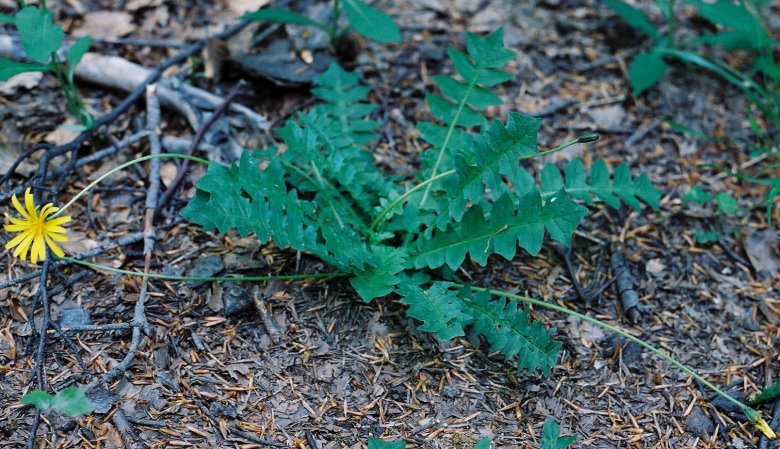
[(755, 418), (36, 230)]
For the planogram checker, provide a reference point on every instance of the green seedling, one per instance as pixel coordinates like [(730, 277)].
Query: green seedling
[(41, 40), (362, 18), (71, 401)]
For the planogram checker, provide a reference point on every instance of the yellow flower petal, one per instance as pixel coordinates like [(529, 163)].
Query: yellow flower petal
[(755, 418), (48, 210), (57, 237), (29, 202), (18, 239), (15, 227), (19, 208), (54, 247), (19, 221), (38, 249), (55, 229), (764, 427), (24, 245), (59, 221)]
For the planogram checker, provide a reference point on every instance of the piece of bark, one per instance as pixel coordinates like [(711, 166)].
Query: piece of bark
[(624, 284)]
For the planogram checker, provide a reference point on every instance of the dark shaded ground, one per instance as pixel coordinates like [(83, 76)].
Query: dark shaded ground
[(345, 370)]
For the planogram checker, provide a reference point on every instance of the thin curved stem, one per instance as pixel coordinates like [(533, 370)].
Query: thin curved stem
[(407, 194), (122, 167), (283, 277)]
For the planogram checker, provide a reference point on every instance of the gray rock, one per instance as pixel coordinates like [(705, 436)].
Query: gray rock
[(699, 424), (207, 266)]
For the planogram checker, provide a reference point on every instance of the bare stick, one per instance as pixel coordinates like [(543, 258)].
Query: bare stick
[(174, 185)]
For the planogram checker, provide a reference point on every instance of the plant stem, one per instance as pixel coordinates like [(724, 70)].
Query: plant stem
[(407, 194), (334, 23), (623, 333), (75, 104), (284, 277), (122, 167), (450, 131), (672, 21)]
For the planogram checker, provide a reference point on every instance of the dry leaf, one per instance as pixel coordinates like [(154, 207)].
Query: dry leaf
[(8, 156), (244, 6), (168, 172), (62, 135), (764, 253), (135, 5), (105, 25), (78, 242), (26, 80)]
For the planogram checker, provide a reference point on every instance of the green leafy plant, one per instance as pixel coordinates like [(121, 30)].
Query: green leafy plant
[(71, 401), (363, 19), (752, 415), (42, 39), (324, 194), (738, 27)]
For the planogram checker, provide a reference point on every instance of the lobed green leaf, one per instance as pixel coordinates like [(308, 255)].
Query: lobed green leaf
[(496, 152), (438, 307), (506, 226), (509, 329), (622, 188)]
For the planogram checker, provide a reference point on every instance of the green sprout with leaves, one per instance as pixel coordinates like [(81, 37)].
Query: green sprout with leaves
[(363, 19), (71, 401), (42, 39)]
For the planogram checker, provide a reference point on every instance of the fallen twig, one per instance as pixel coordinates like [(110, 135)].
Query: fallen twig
[(174, 185)]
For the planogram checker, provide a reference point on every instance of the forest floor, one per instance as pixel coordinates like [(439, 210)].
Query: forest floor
[(335, 371)]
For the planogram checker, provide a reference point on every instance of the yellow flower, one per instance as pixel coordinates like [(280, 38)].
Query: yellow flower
[(36, 230), (755, 418)]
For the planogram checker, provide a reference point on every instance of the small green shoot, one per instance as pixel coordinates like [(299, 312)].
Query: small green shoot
[(703, 237), (363, 19), (551, 436), (71, 401), (42, 39)]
